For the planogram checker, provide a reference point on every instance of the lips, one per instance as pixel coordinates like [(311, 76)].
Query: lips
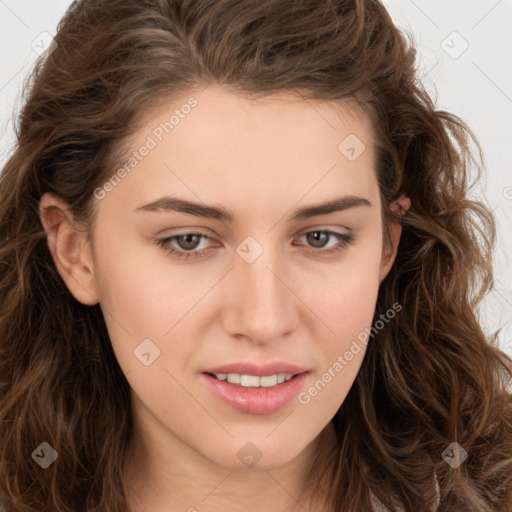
[(256, 400), (249, 368)]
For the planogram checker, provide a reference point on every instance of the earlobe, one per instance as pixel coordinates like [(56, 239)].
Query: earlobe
[(69, 248), (388, 257)]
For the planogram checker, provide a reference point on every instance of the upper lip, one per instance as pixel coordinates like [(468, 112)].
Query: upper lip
[(260, 370)]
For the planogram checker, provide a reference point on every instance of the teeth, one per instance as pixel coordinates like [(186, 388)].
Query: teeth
[(249, 381), (234, 378), (254, 381), (268, 381)]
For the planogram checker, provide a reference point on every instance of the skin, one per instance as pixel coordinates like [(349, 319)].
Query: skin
[(262, 159)]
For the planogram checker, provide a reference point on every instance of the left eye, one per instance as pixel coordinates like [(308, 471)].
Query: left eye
[(188, 242)]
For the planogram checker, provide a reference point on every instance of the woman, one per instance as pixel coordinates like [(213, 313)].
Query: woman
[(239, 270)]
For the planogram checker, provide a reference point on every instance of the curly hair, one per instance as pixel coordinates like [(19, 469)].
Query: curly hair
[(429, 378)]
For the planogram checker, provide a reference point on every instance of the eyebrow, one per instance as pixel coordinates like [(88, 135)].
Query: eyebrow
[(174, 204)]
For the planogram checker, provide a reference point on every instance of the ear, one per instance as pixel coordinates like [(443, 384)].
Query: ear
[(70, 249), (400, 206)]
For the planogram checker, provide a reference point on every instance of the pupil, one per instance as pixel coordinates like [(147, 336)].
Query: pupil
[(188, 241), (315, 236)]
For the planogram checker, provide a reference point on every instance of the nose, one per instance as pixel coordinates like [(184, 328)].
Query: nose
[(261, 304)]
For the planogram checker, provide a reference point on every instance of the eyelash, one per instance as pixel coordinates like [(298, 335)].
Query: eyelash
[(344, 241)]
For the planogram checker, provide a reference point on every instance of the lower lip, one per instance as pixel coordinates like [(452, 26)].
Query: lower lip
[(254, 400)]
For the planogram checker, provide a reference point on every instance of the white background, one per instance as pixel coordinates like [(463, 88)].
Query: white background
[(475, 84)]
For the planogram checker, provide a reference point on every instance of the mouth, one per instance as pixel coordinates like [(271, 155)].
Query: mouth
[(255, 394), (254, 381)]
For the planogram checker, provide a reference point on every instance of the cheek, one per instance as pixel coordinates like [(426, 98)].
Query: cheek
[(346, 307), (348, 310), (138, 299), (346, 293), (139, 285)]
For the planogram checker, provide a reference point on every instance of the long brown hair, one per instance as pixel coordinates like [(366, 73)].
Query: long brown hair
[(429, 378)]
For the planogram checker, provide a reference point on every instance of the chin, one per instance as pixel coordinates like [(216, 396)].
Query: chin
[(261, 454)]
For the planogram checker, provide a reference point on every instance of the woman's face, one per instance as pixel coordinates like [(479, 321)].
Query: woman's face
[(258, 280)]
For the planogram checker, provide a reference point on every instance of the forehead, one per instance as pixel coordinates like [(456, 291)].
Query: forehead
[(215, 113), (216, 146)]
